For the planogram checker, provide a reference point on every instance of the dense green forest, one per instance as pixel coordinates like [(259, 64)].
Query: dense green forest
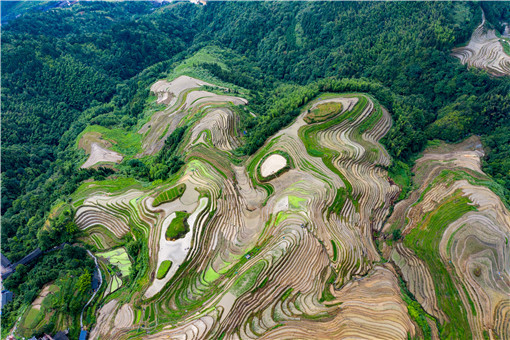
[(93, 63)]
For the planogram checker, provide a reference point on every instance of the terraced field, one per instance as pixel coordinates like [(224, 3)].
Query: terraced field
[(485, 50), (38, 314), (454, 255), (106, 147), (281, 244), (184, 99)]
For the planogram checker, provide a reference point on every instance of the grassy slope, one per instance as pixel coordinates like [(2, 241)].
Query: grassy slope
[(170, 195), (125, 142), (424, 241), (323, 112)]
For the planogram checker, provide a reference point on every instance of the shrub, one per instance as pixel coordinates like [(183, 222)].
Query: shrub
[(178, 227), (163, 269)]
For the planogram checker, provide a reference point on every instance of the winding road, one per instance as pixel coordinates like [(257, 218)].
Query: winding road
[(95, 292)]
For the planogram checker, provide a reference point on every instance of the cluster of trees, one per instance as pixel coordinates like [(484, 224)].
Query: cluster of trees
[(72, 269), (63, 69), (94, 63), (138, 253), (496, 13), (166, 163), (22, 223), (404, 47), (61, 229)]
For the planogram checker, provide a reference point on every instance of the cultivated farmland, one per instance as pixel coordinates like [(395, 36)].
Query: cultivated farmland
[(293, 242), (486, 51)]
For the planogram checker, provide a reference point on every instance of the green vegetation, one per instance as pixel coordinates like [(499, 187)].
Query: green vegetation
[(247, 281), (474, 178), (70, 289), (211, 275), (424, 241), (163, 269), (89, 67), (338, 203), (206, 57), (416, 311), (506, 46), (33, 318), (450, 176), (326, 293), (170, 195), (335, 250), (323, 112), (470, 301), (161, 167), (295, 202), (166, 162), (59, 227), (396, 234), (315, 148), (110, 185), (138, 316), (178, 227), (400, 173), (370, 122), (125, 142), (252, 170), (263, 283), (11, 10), (286, 294), (103, 236), (119, 258)]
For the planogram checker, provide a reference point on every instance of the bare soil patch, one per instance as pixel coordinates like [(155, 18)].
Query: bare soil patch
[(272, 165), (100, 154)]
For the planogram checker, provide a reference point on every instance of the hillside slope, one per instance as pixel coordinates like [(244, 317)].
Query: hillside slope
[(114, 113)]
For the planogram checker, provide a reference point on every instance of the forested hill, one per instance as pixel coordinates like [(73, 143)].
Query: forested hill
[(93, 63), (85, 64)]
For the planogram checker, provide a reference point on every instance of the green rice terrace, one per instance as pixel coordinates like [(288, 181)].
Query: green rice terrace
[(241, 170), (292, 242)]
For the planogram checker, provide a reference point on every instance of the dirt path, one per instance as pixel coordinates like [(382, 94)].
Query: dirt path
[(38, 301)]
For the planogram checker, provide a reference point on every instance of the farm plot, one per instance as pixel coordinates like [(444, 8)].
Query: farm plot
[(485, 51), (281, 244), (292, 209), (247, 237), (454, 246), (184, 100), (220, 126), (119, 258), (39, 312)]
